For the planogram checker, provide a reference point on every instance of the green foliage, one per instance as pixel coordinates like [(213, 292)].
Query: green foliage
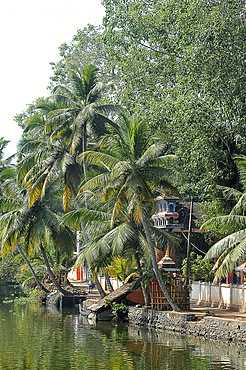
[(85, 48), (200, 269), (183, 65), (119, 310), (215, 208), (121, 267), (9, 268), (230, 250), (107, 302)]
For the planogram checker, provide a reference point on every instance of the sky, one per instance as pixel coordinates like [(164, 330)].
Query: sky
[(30, 33)]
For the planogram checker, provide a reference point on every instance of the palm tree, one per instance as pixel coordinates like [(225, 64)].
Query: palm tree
[(133, 165), (11, 201), (74, 112), (4, 162), (83, 110), (125, 239), (42, 160), (104, 244), (34, 228), (231, 249), (39, 284)]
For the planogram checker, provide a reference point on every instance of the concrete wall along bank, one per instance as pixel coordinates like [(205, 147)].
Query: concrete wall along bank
[(210, 327), (219, 295)]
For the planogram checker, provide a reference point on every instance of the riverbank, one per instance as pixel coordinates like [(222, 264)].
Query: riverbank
[(188, 323), (199, 321)]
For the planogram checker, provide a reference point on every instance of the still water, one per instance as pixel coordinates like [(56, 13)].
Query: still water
[(33, 338)]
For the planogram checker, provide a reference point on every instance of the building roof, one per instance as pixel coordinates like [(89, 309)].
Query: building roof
[(166, 197), (241, 267), (183, 208), (117, 295), (166, 260)]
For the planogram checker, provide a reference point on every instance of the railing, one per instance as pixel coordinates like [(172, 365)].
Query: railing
[(220, 295)]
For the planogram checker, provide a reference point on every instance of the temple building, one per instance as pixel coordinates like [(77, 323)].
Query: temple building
[(173, 215)]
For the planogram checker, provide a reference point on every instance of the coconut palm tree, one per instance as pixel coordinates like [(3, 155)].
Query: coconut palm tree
[(125, 239), (83, 110), (4, 162), (133, 163), (231, 249), (34, 228), (42, 160), (72, 115), (11, 200)]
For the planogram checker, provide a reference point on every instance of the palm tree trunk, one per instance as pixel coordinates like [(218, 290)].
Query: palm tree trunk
[(155, 266), (144, 289), (99, 288), (85, 236), (52, 276), (108, 282), (31, 269), (187, 270)]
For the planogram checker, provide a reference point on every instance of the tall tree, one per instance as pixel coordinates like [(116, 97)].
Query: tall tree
[(182, 63), (73, 115), (133, 164), (3, 162), (34, 227), (86, 48), (11, 201), (83, 109)]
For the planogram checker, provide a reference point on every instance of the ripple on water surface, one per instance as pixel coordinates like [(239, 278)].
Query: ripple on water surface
[(33, 338)]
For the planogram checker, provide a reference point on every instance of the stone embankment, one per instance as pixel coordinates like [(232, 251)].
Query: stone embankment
[(208, 326)]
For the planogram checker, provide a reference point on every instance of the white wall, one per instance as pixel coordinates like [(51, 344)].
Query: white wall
[(226, 295)]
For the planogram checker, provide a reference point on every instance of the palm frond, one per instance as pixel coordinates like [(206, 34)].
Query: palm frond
[(96, 182), (85, 216), (153, 153), (241, 165), (98, 159), (225, 243), (232, 222), (233, 258), (66, 197), (230, 192)]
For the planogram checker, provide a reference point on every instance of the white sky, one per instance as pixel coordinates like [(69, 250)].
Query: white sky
[(30, 33)]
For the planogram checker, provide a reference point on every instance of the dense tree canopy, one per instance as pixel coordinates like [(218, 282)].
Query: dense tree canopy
[(182, 63)]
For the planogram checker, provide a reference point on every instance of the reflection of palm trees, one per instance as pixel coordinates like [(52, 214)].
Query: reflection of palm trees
[(31, 334), (103, 345)]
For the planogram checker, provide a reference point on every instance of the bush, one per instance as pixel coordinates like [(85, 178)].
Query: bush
[(9, 267), (119, 310), (200, 269)]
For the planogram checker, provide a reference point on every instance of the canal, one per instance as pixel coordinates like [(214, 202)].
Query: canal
[(31, 337)]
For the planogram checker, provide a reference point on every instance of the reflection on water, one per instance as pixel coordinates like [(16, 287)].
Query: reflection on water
[(33, 338)]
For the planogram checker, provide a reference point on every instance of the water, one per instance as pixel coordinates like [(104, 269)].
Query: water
[(33, 338)]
